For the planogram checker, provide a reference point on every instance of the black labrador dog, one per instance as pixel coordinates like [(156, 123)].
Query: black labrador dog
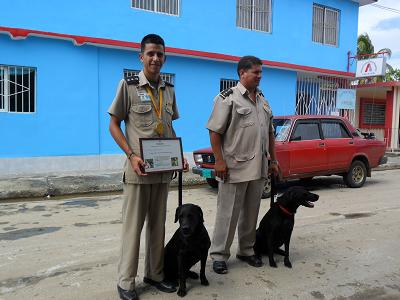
[(188, 245), (275, 228)]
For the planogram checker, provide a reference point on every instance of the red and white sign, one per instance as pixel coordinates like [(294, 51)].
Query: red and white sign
[(371, 67)]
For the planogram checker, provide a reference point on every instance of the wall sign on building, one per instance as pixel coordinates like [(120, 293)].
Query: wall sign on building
[(346, 99), (371, 67)]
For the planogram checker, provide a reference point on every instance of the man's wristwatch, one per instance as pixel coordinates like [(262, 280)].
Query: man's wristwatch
[(130, 155)]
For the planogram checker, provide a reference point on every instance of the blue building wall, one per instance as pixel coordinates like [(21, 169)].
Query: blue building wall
[(76, 84), (290, 40), (66, 100)]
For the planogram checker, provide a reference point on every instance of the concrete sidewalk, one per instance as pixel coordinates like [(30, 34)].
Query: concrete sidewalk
[(44, 185)]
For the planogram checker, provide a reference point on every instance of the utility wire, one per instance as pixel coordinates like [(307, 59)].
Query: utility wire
[(386, 8)]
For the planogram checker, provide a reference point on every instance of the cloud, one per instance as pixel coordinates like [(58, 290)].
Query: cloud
[(383, 27), (388, 24)]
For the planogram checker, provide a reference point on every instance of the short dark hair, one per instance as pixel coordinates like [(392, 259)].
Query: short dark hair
[(247, 62), (151, 39)]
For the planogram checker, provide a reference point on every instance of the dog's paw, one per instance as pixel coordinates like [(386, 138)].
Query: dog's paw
[(182, 292), (204, 281), (273, 264), (287, 263)]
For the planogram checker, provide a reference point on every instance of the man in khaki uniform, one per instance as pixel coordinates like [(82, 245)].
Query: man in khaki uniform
[(242, 137), (147, 106)]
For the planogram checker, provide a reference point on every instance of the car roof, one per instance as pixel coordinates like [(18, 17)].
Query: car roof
[(306, 117), (295, 117)]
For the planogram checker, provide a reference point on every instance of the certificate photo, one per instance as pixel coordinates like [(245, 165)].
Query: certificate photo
[(161, 154)]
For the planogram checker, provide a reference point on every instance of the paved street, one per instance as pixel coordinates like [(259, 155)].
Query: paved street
[(344, 248)]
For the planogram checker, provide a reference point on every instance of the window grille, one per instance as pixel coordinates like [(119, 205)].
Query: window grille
[(374, 113), (168, 77), (325, 25), (17, 89), (254, 14), (316, 95), (227, 83), (169, 7)]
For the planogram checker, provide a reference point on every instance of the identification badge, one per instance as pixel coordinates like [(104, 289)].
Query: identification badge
[(160, 128), (144, 97)]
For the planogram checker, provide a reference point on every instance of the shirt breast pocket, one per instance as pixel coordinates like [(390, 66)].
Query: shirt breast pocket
[(142, 114), (170, 113), (244, 116)]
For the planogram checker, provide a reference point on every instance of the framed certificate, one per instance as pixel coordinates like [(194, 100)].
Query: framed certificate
[(161, 154)]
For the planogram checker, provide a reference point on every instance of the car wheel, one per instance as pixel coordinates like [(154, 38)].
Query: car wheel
[(212, 182), (357, 175), (267, 188)]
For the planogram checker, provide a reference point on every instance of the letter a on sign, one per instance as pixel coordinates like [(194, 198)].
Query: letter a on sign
[(368, 68)]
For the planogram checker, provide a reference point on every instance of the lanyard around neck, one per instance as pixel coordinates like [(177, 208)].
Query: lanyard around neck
[(158, 110)]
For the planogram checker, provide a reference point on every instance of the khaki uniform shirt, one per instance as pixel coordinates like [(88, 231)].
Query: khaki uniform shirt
[(133, 105), (244, 127)]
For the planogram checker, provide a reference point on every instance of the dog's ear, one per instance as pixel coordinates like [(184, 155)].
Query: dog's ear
[(177, 212), (200, 212)]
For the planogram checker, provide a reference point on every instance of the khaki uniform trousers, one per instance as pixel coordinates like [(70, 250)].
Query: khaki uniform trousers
[(142, 201), (236, 201)]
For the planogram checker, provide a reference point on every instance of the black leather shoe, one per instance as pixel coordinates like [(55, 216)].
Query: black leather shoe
[(220, 267), (160, 285), (252, 260), (127, 295)]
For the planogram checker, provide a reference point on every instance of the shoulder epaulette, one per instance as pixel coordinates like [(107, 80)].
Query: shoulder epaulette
[(168, 83), (132, 79), (261, 94), (226, 93)]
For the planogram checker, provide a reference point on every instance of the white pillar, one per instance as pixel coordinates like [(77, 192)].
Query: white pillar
[(394, 144)]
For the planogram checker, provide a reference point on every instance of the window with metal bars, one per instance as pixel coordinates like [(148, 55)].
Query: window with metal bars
[(325, 25), (169, 7), (17, 89), (227, 83), (374, 114), (168, 77), (254, 14)]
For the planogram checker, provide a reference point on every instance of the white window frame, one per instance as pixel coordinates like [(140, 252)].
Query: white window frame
[(6, 93), (227, 83), (167, 7), (325, 25), (168, 77), (254, 15)]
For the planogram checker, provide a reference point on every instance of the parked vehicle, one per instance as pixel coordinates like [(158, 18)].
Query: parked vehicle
[(308, 146)]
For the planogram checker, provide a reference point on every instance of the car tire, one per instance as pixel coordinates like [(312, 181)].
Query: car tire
[(212, 182), (357, 174), (267, 189)]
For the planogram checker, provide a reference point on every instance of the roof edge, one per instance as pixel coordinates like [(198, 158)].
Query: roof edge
[(21, 33), (365, 2)]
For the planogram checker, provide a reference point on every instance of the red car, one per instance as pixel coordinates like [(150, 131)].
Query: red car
[(308, 146)]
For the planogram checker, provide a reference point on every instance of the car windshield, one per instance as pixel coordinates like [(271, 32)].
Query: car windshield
[(282, 127)]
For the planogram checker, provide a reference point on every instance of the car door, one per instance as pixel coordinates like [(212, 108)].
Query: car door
[(307, 149), (339, 144)]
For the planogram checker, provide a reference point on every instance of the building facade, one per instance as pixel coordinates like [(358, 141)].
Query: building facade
[(378, 111), (60, 65)]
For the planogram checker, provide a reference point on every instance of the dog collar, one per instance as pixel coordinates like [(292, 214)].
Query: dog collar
[(285, 210)]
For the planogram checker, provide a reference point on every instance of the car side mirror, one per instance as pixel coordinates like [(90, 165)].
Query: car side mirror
[(296, 138)]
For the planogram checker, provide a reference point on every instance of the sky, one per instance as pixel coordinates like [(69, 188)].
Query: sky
[(383, 27)]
